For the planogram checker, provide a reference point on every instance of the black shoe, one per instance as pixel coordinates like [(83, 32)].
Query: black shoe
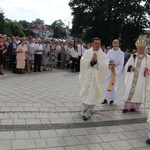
[(111, 102), (148, 141), (84, 118), (124, 110), (39, 70), (104, 102), (1, 73)]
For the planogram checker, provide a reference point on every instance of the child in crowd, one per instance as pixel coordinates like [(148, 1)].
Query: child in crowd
[(52, 59)]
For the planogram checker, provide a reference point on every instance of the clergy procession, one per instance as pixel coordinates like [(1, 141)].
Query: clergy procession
[(97, 67)]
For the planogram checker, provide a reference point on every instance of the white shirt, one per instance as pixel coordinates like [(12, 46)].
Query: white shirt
[(38, 47), (74, 54), (80, 49)]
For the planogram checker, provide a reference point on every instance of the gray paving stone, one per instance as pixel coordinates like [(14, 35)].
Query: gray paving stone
[(63, 132), (47, 133), (4, 109), (55, 142), (56, 148), (23, 144), (22, 134), (94, 139), (94, 147), (41, 143), (127, 127), (16, 109), (121, 136), (142, 133), (5, 145), (101, 130), (131, 135), (79, 147), (137, 143), (114, 129), (7, 135), (146, 148), (91, 131), (33, 121), (7, 122), (121, 145), (83, 140), (19, 121), (108, 137), (4, 116), (14, 116), (27, 116), (34, 134), (71, 140), (138, 126), (45, 121), (60, 120), (42, 115), (79, 131), (106, 146)]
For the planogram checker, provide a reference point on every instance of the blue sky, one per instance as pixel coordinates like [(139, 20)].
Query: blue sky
[(29, 10)]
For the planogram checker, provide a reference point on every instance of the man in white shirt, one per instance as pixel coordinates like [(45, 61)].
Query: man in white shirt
[(81, 51), (38, 56)]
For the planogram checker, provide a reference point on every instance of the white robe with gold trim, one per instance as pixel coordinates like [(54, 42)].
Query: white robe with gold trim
[(91, 78), (118, 57), (139, 89)]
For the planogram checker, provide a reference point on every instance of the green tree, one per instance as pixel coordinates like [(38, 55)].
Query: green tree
[(109, 19), (57, 23), (26, 28), (57, 32), (2, 22), (59, 29), (14, 28), (38, 21)]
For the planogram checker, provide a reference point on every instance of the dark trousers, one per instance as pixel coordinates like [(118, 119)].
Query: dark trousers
[(37, 62), (74, 66), (78, 64), (59, 60), (12, 64)]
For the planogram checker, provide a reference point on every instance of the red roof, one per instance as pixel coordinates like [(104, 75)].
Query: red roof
[(41, 27)]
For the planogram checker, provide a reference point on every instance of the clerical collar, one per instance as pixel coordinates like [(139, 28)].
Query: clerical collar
[(116, 50)]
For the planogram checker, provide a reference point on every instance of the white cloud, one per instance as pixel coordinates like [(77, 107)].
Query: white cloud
[(29, 10)]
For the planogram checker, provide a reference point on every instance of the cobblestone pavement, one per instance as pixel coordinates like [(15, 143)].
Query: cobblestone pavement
[(41, 111)]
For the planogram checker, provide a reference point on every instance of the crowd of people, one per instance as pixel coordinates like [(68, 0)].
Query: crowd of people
[(35, 54), (38, 55)]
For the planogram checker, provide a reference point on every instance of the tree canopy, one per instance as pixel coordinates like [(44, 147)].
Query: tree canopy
[(2, 22), (109, 19), (38, 21)]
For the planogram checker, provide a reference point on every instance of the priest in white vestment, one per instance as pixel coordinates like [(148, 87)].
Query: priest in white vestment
[(136, 76), (93, 67), (115, 58)]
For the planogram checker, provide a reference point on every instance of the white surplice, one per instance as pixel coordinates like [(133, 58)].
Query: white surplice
[(118, 58), (91, 78), (139, 89)]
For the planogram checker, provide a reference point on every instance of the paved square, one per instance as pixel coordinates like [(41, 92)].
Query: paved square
[(41, 111)]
